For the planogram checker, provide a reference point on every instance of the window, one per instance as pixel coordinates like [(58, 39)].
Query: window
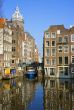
[(60, 39), (60, 70), (30, 54), (72, 48), (72, 59), (52, 71), (66, 49), (53, 62), (47, 35), (72, 69), (47, 43), (13, 49), (66, 60), (53, 35), (67, 86), (60, 48), (60, 60), (12, 61), (53, 52), (58, 31), (72, 38), (66, 39), (52, 83), (12, 32), (65, 70), (47, 52), (53, 43), (47, 61), (13, 41)]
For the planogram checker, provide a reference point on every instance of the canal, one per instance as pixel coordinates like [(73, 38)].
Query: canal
[(48, 94)]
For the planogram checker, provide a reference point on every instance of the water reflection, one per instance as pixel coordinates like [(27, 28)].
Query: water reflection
[(19, 94), (50, 94), (59, 94)]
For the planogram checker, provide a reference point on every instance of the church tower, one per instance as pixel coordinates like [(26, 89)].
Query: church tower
[(17, 18), (17, 23)]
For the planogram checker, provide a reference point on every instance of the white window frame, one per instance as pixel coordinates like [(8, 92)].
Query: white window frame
[(59, 39), (72, 35), (53, 68), (46, 61), (46, 43), (64, 49), (68, 70), (71, 59), (47, 36), (64, 60), (46, 52), (58, 31), (63, 70), (72, 69), (52, 34), (60, 70), (72, 46), (51, 52), (67, 38), (58, 60), (55, 62), (54, 45)]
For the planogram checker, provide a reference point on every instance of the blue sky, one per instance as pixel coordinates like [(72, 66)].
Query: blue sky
[(40, 14)]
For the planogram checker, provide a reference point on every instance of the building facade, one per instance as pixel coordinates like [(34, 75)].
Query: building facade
[(16, 46), (23, 44), (36, 54), (18, 32), (17, 25), (58, 51), (28, 49), (5, 45)]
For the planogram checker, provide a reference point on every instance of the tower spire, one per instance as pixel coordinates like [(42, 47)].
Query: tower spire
[(17, 8), (17, 15)]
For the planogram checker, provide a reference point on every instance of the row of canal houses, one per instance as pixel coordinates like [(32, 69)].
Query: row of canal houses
[(16, 46), (58, 51)]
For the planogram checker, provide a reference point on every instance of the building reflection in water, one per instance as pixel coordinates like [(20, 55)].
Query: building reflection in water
[(50, 94), (59, 94), (16, 94)]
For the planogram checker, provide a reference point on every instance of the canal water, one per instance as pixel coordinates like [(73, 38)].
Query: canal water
[(48, 94)]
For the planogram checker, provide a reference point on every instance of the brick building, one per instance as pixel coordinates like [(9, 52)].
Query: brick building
[(5, 45), (36, 54), (59, 51), (16, 46), (28, 48)]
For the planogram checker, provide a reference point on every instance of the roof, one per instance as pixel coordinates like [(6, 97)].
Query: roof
[(2, 22)]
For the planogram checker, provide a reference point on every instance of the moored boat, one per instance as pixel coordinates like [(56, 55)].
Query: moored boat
[(31, 73)]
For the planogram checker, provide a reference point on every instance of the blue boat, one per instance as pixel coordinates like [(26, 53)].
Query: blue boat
[(31, 73)]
